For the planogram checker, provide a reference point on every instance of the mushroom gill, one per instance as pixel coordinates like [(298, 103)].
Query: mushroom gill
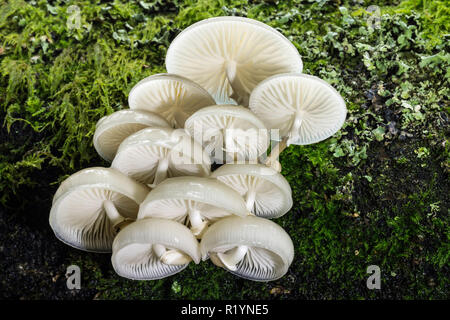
[(250, 247), (151, 249)]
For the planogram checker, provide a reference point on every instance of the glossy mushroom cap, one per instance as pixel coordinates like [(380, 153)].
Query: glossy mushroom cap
[(79, 214), (172, 96), (251, 247), (304, 108), (153, 154), (266, 192), (111, 130), (152, 249), (229, 133), (195, 201), (229, 56)]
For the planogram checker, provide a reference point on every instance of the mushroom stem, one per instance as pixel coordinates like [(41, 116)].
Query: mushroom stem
[(159, 250), (161, 172), (229, 143), (295, 128), (117, 220), (215, 259), (239, 94), (198, 225), (250, 198), (179, 118), (232, 257), (172, 256), (272, 159)]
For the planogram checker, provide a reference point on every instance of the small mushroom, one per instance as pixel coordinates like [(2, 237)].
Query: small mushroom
[(194, 201), (304, 108), (266, 192), (230, 131), (92, 205), (152, 249), (153, 154), (169, 95), (251, 247), (111, 130), (229, 56)]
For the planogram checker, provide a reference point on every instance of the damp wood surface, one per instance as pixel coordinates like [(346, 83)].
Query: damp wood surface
[(376, 193)]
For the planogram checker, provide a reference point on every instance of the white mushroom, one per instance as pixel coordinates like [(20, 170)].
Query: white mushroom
[(111, 130), (169, 95), (252, 248), (266, 192), (194, 201), (152, 249), (229, 56), (229, 131), (153, 154), (91, 205), (304, 108)]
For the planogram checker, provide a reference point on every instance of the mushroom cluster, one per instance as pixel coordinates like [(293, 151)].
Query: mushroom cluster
[(232, 82)]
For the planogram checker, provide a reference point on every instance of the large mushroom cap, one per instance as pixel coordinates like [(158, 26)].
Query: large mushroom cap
[(194, 201), (152, 154), (266, 192), (229, 56), (78, 216), (111, 130), (229, 129), (152, 249), (169, 95), (304, 108), (252, 248)]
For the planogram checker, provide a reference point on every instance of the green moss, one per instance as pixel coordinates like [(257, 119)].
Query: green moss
[(435, 17), (58, 81)]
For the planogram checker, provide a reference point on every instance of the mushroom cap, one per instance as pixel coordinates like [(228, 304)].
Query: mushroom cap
[(304, 108), (235, 123), (77, 216), (270, 249), (171, 96), (111, 130), (172, 198), (134, 258), (139, 154), (273, 195), (202, 51)]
